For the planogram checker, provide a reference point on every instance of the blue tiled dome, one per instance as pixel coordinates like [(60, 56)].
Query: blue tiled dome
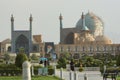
[(92, 22)]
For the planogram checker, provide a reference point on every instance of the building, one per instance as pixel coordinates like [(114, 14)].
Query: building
[(21, 39), (32, 44), (87, 37)]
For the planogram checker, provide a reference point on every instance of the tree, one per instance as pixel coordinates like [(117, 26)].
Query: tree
[(66, 55), (20, 58), (62, 62), (118, 61), (34, 57), (6, 57)]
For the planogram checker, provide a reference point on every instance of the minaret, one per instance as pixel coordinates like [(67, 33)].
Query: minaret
[(12, 23), (84, 27), (12, 30), (61, 26), (31, 19), (30, 42), (60, 18)]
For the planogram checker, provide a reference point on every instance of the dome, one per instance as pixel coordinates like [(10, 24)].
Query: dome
[(93, 22), (103, 39)]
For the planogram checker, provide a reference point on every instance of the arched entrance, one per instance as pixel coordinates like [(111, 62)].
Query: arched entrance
[(69, 38), (22, 42)]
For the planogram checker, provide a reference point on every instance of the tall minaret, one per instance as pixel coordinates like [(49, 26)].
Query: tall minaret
[(61, 26), (84, 27), (12, 30), (31, 19), (30, 42), (60, 18), (12, 23)]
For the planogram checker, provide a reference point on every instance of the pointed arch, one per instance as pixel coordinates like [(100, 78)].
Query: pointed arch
[(23, 42), (69, 38), (9, 48)]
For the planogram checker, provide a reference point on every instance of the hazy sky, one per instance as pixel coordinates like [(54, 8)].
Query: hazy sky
[(46, 12)]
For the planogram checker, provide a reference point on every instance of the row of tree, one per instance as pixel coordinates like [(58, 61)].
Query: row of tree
[(90, 61)]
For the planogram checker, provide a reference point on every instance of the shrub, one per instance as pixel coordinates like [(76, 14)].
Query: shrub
[(20, 58), (77, 65), (8, 67), (37, 67), (50, 66), (50, 71), (6, 57), (12, 72), (101, 69), (81, 69), (61, 63), (34, 57), (1, 61), (118, 61)]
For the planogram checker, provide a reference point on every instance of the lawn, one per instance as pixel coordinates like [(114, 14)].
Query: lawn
[(118, 78), (33, 78)]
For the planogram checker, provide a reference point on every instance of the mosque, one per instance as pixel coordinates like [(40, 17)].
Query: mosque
[(87, 37), (21, 39)]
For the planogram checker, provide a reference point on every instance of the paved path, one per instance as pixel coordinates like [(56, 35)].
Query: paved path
[(91, 75)]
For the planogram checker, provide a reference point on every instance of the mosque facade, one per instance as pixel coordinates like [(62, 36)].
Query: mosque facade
[(21, 39), (86, 38)]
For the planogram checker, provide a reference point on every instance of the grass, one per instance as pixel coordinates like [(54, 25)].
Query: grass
[(33, 78), (118, 78)]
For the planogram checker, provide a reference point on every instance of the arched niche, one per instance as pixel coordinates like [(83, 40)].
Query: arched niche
[(22, 42), (69, 38)]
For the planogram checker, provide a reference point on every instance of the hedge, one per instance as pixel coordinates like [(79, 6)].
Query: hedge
[(10, 72), (11, 69)]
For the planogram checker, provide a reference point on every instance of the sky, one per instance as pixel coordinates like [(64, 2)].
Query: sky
[(46, 16)]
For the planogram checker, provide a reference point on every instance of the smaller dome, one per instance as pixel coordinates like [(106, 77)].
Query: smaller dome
[(103, 39)]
